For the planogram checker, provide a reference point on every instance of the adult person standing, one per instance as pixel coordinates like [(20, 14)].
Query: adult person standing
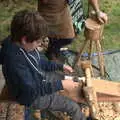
[(58, 16)]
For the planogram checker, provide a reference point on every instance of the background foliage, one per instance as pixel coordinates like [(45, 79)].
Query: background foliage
[(111, 38)]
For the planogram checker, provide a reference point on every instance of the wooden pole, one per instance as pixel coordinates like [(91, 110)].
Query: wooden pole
[(89, 91)]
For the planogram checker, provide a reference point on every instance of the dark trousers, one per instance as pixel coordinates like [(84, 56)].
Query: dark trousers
[(55, 102), (55, 45)]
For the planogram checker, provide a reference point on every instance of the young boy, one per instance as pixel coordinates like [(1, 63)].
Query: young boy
[(24, 68)]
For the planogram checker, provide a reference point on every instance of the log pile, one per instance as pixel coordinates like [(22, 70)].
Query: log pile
[(11, 111)]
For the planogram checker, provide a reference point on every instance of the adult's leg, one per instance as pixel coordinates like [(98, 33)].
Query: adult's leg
[(55, 45), (57, 102)]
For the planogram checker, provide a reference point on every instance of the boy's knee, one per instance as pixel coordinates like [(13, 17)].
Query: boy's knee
[(75, 107), (76, 112)]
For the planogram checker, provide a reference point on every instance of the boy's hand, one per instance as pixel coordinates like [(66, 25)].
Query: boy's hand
[(67, 68), (68, 85)]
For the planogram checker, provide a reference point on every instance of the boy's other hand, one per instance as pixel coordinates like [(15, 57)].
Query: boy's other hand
[(68, 85), (67, 68)]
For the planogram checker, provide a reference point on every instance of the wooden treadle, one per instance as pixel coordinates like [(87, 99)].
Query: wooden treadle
[(107, 98), (100, 98)]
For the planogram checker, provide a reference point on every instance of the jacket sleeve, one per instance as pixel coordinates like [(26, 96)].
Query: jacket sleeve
[(48, 65)]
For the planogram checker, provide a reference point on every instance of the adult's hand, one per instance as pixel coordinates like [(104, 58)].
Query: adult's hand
[(102, 17)]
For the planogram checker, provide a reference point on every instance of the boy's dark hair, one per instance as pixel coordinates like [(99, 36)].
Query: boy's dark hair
[(29, 24)]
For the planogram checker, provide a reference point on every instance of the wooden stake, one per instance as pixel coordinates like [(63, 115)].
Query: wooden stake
[(89, 91)]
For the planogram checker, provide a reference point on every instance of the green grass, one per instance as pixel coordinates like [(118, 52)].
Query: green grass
[(7, 12), (112, 29), (111, 38)]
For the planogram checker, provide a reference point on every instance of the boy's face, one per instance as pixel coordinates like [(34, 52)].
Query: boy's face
[(29, 46), (32, 45)]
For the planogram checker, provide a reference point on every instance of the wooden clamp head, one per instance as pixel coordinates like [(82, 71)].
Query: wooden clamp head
[(89, 91), (85, 64), (92, 29)]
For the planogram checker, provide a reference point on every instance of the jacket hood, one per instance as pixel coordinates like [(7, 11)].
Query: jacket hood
[(6, 49)]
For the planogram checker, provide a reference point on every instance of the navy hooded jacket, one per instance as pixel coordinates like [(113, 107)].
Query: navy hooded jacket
[(23, 73)]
